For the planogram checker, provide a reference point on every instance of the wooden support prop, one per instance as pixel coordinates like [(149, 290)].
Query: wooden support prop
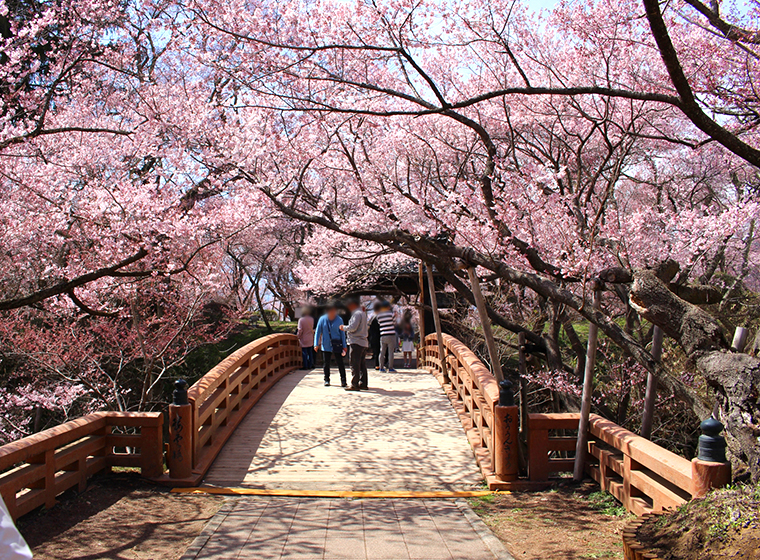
[(421, 311), (523, 372), (740, 339), (480, 302), (650, 400), (437, 321), (421, 274), (588, 387)]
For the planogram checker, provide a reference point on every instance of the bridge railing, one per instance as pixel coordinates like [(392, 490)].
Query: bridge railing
[(36, 469), (220, 400), (642, 475), (473, 391)]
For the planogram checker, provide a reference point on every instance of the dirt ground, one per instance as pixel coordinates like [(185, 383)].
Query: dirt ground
[(119, 516), (563, 524), (122, 517)]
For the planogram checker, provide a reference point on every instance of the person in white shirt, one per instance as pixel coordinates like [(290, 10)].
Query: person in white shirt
[(12, 544)]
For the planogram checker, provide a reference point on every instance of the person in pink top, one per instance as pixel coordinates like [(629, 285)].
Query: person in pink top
[(305, 335)]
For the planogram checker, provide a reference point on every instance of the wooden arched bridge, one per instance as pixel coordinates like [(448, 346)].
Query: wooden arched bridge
[(290, 451)]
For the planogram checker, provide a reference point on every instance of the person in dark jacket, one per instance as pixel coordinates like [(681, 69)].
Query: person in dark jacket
[(374, 335)]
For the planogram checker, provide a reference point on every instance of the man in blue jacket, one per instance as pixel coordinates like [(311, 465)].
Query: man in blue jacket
[(330, 338)]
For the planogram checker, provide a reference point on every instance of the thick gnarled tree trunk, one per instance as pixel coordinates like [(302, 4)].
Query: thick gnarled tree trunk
[(734, 377)]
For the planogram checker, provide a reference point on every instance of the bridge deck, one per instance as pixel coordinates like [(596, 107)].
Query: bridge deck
[(402, 435)]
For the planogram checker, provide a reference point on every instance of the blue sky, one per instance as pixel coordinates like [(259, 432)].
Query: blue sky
[(540, 4)]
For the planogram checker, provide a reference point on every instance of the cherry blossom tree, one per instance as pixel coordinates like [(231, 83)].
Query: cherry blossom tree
[(221, 147), (559, 154)]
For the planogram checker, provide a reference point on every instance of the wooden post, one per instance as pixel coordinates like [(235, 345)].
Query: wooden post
[(438, 328), (523, 372), (151, 450), (588, 387), (650, 399), (421, 274), (710, 469), (506, 448), (180, 457), (740, 339), (538, 452), (706, 475), (480, 303), (421, 307)]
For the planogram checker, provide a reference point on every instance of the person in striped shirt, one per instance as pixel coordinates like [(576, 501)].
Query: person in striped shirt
[(387, 323)]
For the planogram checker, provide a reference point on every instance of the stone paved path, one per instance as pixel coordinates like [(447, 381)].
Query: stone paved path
[(402, 434), (333, 529)]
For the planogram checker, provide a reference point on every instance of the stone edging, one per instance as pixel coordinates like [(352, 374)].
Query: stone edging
[(496, 547), (200, 541), (632, 547)]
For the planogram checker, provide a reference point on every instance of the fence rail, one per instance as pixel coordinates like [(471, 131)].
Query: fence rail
[(474, 393), (221, 398), (642, 475), (36, 469)]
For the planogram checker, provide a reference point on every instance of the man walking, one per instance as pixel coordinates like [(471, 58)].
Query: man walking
[(387, 337), (332, 340), (357, 332)]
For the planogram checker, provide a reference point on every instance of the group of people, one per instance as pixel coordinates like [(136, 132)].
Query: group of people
[(337, 339)]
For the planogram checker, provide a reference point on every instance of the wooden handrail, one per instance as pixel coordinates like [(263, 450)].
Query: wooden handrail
[(642, 475), (36, 469), (473, 391), (220, 399)]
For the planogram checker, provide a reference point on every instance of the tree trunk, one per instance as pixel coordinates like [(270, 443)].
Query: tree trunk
[(734, 377)]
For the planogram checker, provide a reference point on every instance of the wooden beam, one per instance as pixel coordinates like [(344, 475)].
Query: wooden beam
[(523, 372), (588, 387), (421, 276), (650, 399), (437, 321), (480, 303)]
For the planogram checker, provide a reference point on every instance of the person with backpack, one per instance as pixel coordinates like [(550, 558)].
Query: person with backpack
[(330, 338)]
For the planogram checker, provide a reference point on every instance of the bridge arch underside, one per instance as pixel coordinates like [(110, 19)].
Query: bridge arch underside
[(400, 435)]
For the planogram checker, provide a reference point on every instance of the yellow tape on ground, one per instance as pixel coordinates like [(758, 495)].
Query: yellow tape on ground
[(332, 493)]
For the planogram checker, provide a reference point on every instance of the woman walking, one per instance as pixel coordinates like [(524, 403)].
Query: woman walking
[(407, 341), (305, 334)]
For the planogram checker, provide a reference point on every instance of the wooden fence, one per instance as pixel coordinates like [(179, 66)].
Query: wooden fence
[(642, 475), (222, 397), (38, 468), (474, 393)]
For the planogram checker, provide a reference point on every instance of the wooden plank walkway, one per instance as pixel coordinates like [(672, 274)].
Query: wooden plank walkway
[(402, 434)]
